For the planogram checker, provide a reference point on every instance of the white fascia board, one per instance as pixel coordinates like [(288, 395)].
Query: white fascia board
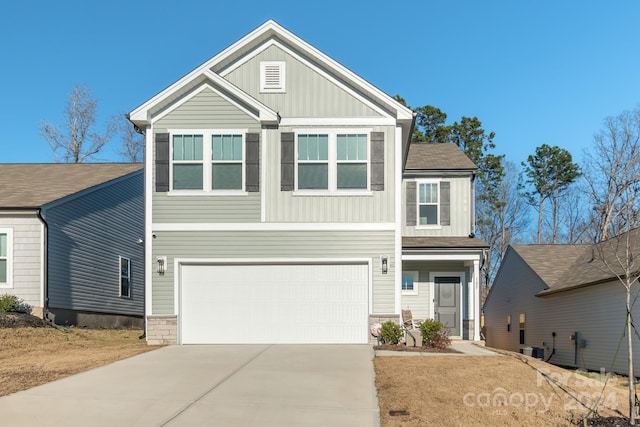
[(442, 257), (274, 226)]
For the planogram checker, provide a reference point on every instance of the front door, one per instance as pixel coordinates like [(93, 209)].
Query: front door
[(447, 303)]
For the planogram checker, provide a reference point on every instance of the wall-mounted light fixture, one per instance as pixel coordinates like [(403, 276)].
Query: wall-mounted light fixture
[(384, 262), (162, 264)]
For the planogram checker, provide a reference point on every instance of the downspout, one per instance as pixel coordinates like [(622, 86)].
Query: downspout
[(45, 265)]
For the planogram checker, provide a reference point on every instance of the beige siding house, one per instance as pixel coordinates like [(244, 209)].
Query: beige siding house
[(69, 241), (275, 207), (563, 303)]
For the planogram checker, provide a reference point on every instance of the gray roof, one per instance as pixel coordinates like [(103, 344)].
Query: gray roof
[(32, 185), (438, 157), (564, 267), (443, 243)]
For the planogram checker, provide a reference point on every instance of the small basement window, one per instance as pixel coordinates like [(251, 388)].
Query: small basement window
[(272, 76), (522, 319)]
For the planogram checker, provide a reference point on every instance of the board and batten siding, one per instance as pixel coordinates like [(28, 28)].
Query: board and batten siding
[(330, 245), (87, 235), (460, 215), (307, 92), (287, 206), (206, 110), (596, 312), (27, 257)]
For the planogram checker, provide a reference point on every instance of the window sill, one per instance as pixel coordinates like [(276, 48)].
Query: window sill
[(6, 286), (174, 193), (428, 227), (339, 193), (413, 293)]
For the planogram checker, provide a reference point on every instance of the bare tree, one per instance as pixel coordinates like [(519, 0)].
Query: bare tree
[(613, 163), (77, 141), (132, 148)]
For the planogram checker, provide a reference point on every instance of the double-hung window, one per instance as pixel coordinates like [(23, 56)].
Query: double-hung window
[(125, 277), (188, 165), (6, 250), (208, 161), (428, 203), (332, 161), (226, 157)]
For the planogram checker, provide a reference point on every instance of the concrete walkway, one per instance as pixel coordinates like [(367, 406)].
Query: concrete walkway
[(242, 385), (465, 348)]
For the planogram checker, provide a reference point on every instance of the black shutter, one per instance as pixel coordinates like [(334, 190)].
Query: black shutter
[(162, 162), (252, 178), (445, 203), (287, 161), (377, 161), (410, 196)]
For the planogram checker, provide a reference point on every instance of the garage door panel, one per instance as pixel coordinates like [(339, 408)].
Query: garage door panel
[(274, 303)]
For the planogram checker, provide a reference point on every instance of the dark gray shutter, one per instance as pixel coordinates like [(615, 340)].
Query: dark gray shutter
[(377, 161), (287, 161), (162, 162), (252, 178), (410, 196), (445, 203)]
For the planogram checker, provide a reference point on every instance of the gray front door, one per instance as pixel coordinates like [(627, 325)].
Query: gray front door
[(447, 303)]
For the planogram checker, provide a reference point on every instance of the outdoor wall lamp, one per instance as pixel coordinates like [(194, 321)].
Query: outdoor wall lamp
[(162, 264), (384, 262)]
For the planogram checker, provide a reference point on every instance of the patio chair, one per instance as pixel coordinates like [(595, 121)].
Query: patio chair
[(411, 326)]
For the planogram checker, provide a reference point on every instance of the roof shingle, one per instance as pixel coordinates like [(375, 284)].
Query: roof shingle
[(32, 185), (438, 157)]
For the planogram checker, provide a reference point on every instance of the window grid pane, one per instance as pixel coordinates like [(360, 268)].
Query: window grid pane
[(3, 271), (407, 283), (351, 147), (428, 214), (313, 147), (226, 147), (352, 176), (3, 245), (313, 176), (187, 147), (187, 176), (429, 193)]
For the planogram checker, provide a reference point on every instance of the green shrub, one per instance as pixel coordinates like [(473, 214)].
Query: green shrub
[(9, 303), (434, 334), (391, 332)]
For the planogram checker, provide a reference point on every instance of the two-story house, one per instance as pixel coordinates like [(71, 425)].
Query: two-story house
[(275, 211)]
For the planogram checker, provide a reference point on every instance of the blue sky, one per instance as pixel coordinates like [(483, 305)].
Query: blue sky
[(533, 72)]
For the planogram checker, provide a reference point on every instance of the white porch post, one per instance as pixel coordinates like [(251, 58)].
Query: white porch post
[(476, 300)]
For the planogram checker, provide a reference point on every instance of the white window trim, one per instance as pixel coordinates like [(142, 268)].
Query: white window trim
[(207, 161), (9, 283), (120, 277), (281, 86), (415, 275), (332, 187), (427, 226)]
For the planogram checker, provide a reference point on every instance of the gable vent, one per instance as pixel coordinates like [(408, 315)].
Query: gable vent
[(272, 76)]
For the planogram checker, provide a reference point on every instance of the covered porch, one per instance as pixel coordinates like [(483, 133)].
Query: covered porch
[(441, 281)]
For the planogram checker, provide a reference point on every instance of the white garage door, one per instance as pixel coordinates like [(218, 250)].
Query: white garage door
[(293, 303)]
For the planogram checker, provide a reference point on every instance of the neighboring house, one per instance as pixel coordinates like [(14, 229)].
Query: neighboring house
[(545, 295), (71, 241), (275, 208)]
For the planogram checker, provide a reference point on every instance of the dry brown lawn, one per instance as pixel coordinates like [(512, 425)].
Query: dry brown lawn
[(507, 390), (30, 356)]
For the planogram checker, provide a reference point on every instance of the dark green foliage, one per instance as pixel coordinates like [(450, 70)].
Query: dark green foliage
[(391, 332), (9, 303), (434, 334)]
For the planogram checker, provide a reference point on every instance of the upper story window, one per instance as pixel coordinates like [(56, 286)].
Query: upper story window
[(332, 161), (428, 206), (6, 250), (224, 169), (272, 76)]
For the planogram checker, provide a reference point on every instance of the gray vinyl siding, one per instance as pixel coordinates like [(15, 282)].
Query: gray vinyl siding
[(87, 235), (421, 304), (596, 312), (206, 110), (287, 206), (27, 263), (460, 215), (274, 244), (308, 93)]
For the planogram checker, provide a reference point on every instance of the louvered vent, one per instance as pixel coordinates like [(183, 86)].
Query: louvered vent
[(272, 76)]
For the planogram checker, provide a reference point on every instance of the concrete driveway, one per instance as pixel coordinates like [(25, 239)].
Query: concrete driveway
[(230, 385)]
